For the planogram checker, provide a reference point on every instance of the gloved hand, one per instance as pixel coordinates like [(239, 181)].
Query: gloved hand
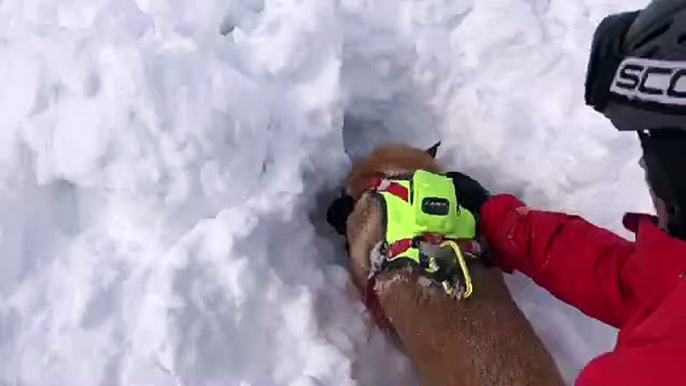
[(470, 194)]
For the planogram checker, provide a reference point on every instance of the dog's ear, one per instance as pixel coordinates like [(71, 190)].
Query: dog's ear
[(433, 149)]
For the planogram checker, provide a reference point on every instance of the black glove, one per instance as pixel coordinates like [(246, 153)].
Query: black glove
[(338, 212), (470, 194)]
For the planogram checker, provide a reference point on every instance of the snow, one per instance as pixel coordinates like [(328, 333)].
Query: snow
[(163, 184)]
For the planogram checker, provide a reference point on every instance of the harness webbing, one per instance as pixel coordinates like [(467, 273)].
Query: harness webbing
[(381, 184)]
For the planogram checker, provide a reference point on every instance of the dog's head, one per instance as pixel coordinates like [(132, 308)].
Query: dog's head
[(384, 160)]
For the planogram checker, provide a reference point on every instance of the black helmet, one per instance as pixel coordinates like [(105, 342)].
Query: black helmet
[(636, 77)]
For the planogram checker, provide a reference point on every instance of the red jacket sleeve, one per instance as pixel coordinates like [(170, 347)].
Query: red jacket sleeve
[(578, 262)]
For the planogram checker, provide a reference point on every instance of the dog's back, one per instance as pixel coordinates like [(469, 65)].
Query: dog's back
[(388, 160)]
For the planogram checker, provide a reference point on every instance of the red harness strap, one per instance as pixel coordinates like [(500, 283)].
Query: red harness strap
[(381, 184), (399, 247)]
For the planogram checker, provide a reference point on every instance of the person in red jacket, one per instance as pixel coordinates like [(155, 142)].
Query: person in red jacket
[(636, 78)]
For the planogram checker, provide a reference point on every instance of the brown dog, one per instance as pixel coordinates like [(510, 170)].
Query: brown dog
[(482, 340)]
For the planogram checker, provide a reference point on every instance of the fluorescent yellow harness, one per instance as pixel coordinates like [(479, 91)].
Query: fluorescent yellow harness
[(422, 210)]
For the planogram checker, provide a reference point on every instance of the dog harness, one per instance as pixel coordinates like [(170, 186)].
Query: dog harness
[(421, 217)]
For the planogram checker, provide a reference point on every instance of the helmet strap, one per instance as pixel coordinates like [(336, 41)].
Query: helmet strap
[(665, 164)]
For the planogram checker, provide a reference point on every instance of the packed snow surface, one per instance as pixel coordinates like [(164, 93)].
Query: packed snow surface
[(165, 165)]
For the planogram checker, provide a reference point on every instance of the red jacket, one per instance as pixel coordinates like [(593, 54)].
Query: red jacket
[(638, 287)]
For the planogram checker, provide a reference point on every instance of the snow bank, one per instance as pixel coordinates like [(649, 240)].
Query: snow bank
[(157, 182), (164, 167)]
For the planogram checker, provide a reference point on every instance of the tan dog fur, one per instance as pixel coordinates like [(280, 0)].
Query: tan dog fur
[(485, 340)]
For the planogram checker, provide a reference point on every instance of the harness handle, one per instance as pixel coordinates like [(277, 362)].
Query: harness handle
[(469, 288)]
